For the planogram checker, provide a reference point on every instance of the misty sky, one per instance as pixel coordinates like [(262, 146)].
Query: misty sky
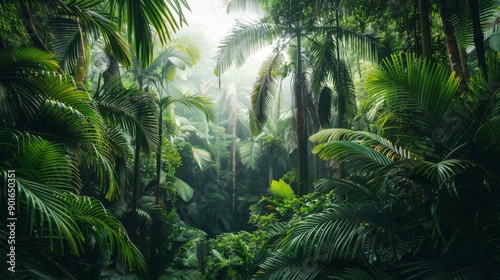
[(210, 16)]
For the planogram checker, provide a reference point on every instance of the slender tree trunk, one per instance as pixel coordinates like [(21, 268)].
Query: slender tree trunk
[(478, 37), (425, 28), (135, 185), (270, 174), (342, 98), (465, 66), (158, 154), (339, 87), (451, 42), (359, 68), (301, 122), (233, 161)]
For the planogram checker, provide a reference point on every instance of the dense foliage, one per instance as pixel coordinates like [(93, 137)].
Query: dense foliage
[(366, 147)]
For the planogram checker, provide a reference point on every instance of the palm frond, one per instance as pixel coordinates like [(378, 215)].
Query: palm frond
[(202, 157), (443, 171), (325, 106), (325, 60), (407, 84), (283, 266), (263, 91), (250, 153), (462, 21), (181, 188), (67, 41), (358, 158), (345, 191), (340, 233), (202, 103), (245, 39), (143, 18), (26, 56), (96, 220), (132, 110)]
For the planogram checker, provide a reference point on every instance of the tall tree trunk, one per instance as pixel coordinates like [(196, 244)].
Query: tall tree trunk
[(301, 122), (342, 103), (233, 161), (135, 185), (465, 65), (270, 174), (451, 42), (158, 153), (425, 29), (478, 37), (359, 68), (342, 98)]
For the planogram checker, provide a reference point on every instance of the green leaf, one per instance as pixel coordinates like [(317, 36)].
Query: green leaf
[(282, 190)]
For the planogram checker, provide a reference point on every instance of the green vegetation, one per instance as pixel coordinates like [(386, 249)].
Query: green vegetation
[(364, 146)]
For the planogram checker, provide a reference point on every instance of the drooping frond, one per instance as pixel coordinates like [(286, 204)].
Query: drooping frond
[(462, 19), (202, 157), (200, 102), (245, 39), (145, 18), (25, 56), (361, 160), (132, 110), (181, 188), (76, 26), (345, 191), (324, 60), (265, 88), (340, 233), (250, 153), (94, 220), (325, 106)]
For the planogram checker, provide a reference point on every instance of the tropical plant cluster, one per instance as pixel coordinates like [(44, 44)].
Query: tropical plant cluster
[(365, 147)]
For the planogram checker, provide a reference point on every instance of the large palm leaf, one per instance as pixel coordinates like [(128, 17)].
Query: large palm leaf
[(132, 110), (49, 105), (83, 22), (145, 18), (264, 91), (245, 39), (418, 98)]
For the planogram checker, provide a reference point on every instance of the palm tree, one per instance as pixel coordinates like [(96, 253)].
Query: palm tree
[(73, 26), (290, 26), (134, 112), (421, 205), (178, 54), (50, 132)]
